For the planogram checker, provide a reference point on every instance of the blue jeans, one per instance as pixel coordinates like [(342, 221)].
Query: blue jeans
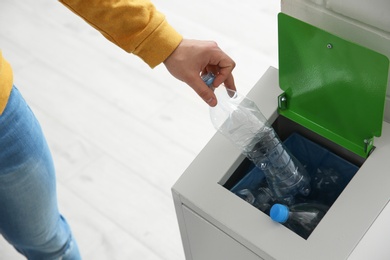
[(29, 216)]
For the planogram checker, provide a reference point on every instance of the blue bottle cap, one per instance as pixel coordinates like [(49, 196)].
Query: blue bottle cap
[(279, 213), (208, 79)]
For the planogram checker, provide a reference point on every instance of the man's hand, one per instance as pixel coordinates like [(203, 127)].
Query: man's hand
[(193, 58)]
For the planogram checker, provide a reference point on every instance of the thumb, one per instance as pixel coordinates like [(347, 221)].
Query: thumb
[(203, 91)]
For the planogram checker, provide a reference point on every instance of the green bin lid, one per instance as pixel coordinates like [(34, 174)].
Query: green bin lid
[(331, 86)]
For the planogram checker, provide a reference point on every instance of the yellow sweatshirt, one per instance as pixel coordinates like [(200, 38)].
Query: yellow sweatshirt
[(134, 25)]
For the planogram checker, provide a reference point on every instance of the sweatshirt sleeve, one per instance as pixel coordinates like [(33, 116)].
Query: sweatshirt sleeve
[(134, 25)]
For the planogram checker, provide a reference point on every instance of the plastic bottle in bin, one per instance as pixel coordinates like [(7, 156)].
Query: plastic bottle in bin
[(327, 184), (246, 195), (262, 198), (301, 218), (239, 119)]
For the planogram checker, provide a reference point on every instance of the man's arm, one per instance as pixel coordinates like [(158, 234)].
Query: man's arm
[(134, 25), (137, 27)]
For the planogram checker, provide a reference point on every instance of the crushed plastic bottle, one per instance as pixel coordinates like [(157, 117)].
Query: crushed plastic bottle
[(246, 195), (327, 184), (239, 119), (301, 218), (261, 198)]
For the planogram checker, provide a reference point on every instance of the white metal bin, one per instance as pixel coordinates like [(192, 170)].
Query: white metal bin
[(215, 224)]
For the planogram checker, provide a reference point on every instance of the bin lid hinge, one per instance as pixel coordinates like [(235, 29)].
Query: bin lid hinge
[(282, 101), (368, 145)]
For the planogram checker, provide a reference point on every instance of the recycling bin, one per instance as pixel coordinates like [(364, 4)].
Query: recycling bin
[(327, 102)]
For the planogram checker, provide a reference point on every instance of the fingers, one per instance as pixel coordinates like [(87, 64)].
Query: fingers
[(203, 91), (193, 57), (227, 80), (223, 75), (223, 68)]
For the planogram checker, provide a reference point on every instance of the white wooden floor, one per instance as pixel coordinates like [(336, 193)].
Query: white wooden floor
[(121, 134)]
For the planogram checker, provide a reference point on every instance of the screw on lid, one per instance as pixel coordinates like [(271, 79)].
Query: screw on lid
[(208, 79), (279, 213)]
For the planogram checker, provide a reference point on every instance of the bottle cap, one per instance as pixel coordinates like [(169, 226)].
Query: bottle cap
[(279, 213), (208, 79)]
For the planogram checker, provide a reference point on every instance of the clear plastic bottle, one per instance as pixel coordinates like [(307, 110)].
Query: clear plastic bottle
[(301, 218), (262, 198), (239, 119), (327, 184), (246, 195)]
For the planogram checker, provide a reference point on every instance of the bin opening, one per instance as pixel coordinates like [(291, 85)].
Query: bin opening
[(331, 168)]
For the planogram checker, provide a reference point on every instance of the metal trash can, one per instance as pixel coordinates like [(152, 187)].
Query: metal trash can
[(330, 93)]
